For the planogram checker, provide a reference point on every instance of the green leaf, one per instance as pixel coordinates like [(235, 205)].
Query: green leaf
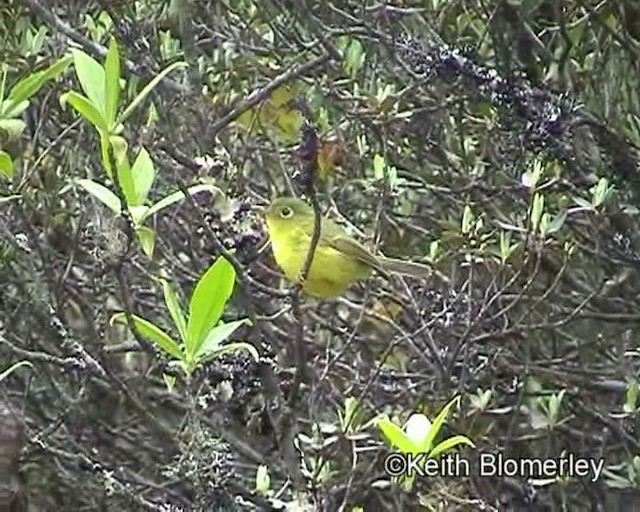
[(229, 348), (92, 79), (208, 301), (27, 87), (351, 420), (544, 224), (86, 108), (395, 435), (6, 165), (449, 443), (600, 192), (143, 174), (13, 368), (583, 203), (137, 214), (120, 147), (12, 127), (9, 111), (125, 177), (37, 42), (354, 57), (467, 219), (505, 246), (104, 152), (631, 397), (437, 424), (112, 82), (147, 238), (537, 210), (555, 401), (58, 67), (557, 222), (18, 99), (378, 167), (263, 480), (433, 250), (102, 193), (173, 305), (217, 336), (531, 178), (177, 196), (147, 89), (150, 331)]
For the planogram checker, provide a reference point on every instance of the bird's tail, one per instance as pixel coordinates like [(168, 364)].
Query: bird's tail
[(405, 268)]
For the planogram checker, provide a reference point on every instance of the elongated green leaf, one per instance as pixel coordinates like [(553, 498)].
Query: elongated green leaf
[(229, 348), (147, 89), (120, 147), (537, 210), (92, 78), (27, 87), (125, 178), (173, 305), (85, 107), (437, 425), (112, 82), (13, 368), (378, 167), (263, 480), (147, 238), (177, 196), (208, 301), (37, 42), (104, 152), (126, 182), (9, 110), (583, 203), (354, 57), (101, 193), (217, 336), (467, 219), (449, 443), (557, 222), (395, 435), (143, 173), (6, 165), (150, 331), (58, 67), (21, 92)]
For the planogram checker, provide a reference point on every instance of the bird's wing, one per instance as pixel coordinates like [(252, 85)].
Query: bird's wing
[(351, 247), (334, 235)]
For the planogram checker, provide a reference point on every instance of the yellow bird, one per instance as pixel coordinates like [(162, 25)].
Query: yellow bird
[(338, 261)]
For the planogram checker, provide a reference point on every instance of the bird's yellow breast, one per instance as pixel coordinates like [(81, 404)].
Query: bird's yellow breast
[(331, 271)]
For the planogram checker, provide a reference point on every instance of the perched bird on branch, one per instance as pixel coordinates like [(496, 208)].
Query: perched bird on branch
[(338, 261)]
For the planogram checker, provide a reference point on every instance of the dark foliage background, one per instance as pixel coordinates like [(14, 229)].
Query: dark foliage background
[(463, 99)]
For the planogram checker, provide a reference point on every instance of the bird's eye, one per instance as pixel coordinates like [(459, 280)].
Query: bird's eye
[(286, 212)]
